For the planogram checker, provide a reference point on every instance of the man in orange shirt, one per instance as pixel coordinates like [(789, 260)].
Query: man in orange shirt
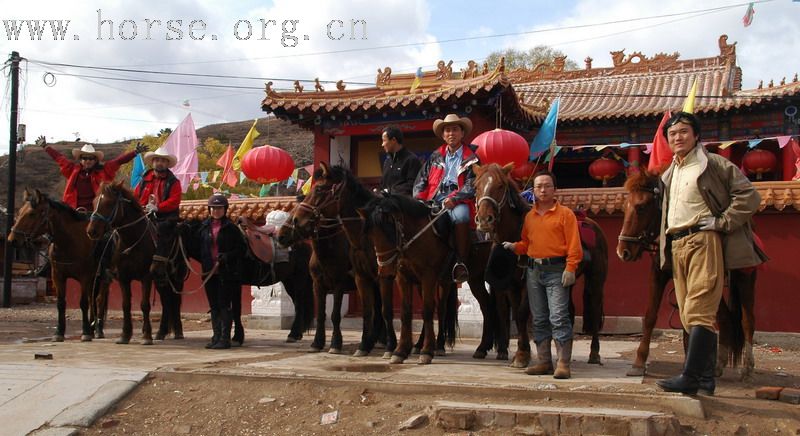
[(551, 240)]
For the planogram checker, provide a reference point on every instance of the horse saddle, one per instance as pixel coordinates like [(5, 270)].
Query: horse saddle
[(259, 239), (587, 233)]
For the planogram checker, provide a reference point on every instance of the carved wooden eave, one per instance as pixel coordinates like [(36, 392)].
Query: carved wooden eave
[(775, 197), (253, 209)]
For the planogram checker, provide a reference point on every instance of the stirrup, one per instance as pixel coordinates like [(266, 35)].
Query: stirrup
[(453, 272)]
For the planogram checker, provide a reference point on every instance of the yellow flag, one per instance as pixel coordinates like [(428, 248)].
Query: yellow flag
[(307, 187), (247, 144), (688, 104)]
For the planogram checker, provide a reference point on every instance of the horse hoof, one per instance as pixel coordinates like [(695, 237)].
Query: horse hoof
[(290, 340), (718, 372), (387, 355), (415, 350), (425, 359), (502, 356), (361, 353), (395, 360), (440, 353), (479, 354), (178, 337), (635, 371), (594, 360), (518, 364), (99, 335), (147, 342), (86, 338), (58, 338), (335, 351), (123, 341), (315, 350)]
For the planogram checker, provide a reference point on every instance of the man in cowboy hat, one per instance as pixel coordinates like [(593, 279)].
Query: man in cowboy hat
[(85, 175), (447, 178), (160, 191)]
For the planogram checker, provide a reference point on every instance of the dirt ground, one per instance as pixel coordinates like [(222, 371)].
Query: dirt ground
[(174, 403)]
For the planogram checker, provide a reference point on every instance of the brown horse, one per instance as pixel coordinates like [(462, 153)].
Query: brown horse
[(71, 257), (408, 242), (501, 215), (640, 233), (117, 210)]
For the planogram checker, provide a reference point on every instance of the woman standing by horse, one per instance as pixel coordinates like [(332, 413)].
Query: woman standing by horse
[(221, 251)]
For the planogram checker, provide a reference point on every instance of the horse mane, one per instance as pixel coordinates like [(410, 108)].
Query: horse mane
[(63, 207), (516, 199), (378, 208), (641, 181), (339, 174), (126, 193)]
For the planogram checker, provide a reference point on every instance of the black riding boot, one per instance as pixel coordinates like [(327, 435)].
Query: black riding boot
[(706, 382), (460, 272), (698, 353), (215, 327), (225, 320)]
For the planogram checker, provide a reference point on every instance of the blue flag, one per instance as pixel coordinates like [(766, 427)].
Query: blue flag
[(137, 171), (547, 133)]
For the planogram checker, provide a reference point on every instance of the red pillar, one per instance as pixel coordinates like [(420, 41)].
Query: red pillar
[(788, 159), (634, 155), (322, 147)]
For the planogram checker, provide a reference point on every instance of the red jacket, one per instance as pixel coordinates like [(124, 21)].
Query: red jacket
[(104, 172), (432, 173), (151, 184)]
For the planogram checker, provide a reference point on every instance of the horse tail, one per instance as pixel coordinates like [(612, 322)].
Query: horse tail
[(595, 274), (739, 280), (451, 316)]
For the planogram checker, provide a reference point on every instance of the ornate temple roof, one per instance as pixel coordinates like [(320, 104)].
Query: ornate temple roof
[(635, 86)]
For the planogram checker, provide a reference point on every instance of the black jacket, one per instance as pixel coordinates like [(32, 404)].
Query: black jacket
[(231, 249), (399, 172)]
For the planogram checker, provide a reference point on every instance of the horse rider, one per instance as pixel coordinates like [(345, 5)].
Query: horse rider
[(84, 176), (447, 178), (553, 257), (400, 168), (705, 229), (222, 250), (159, 191)]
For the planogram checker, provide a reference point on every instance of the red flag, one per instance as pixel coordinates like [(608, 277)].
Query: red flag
[(226, 162), (661, 155)]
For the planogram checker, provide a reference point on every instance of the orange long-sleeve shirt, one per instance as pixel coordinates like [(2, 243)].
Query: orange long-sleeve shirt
[(553, 234)]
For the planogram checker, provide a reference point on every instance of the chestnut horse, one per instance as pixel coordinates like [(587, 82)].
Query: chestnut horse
[(640, 233), (407, 242), (117, 210), (501, 215), (71, 257)]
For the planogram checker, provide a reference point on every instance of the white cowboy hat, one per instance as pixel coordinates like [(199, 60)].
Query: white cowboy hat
[(87, 149), (449, 120), (150, 155)]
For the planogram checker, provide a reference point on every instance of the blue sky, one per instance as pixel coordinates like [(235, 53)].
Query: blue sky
[(104, 110)]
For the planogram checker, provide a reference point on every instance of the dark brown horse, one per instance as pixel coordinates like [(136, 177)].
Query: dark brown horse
[(71, 257), (408, 242), (639, 234), (118, 211), (501, 215)]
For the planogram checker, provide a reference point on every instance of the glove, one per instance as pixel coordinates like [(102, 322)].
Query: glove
[(567, 279), (141, 148), (41, 141), (708, 223), (150, 208), (508, 246)]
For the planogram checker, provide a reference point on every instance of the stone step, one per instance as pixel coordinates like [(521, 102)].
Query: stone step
[(540, 420)]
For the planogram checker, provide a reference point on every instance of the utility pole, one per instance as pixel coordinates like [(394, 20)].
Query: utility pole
[(13, 60)]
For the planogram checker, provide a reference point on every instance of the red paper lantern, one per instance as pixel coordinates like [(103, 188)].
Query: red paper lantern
[(267, 164), (759, 162), (525, 171), (605, 169), (502, 147)]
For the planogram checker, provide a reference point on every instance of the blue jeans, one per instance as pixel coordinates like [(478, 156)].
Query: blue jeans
[(549, 303), (458, 214)]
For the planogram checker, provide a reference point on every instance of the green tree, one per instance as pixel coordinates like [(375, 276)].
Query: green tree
[(527, 58), (152, 143)]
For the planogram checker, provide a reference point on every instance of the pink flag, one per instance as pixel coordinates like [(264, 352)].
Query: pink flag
[(661, 154), (783, 140), (748, 15), (182, 143)]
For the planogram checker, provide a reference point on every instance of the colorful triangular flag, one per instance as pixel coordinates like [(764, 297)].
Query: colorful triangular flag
[(417, 80), (748, 15), (688, 104), (661, 154), (247, 144), (547, 133)]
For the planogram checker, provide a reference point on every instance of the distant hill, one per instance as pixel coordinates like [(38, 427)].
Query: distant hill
[(35, 169)]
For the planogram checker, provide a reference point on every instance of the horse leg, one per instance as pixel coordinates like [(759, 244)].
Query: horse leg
[(502, 327), (487, 305), (366, 291), (319, 297), (336, 321), (521, 313), (61, 305), (658, 281), (86, 327), (177, 323), (127, 323), (428, 307), (726, 341), (747, 300), (101, 308), (295, 332), (445, 290), (147, 329), (387, 307), (403, 349), (163, 325), (236, 311)]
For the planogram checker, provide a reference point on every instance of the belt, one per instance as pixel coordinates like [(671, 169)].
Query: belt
[(547, 261), (684, 233)]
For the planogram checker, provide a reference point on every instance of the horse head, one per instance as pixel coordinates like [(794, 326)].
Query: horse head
[(492, 189), (640, 226), (382, 225), (318, 209), (33, 218), (114, 206)]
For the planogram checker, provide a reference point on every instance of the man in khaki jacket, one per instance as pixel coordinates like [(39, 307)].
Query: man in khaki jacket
[(705, 230)]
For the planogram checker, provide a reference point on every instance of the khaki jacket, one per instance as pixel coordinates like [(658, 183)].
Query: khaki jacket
[(732, 199)]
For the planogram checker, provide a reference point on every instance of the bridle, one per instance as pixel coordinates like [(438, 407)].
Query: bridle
[(498, 205), (44, 223), (97, 216), (648, 238), (318, 219), (402, 245)]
